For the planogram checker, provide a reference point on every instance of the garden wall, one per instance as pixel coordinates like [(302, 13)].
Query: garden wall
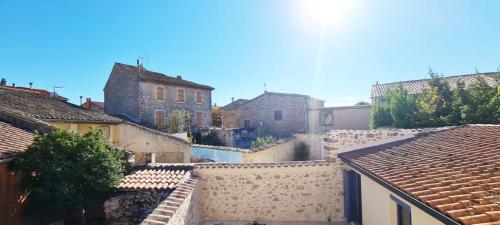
[(291, 191)]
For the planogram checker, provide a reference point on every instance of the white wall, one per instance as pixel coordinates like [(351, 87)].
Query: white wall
[(378, 208)]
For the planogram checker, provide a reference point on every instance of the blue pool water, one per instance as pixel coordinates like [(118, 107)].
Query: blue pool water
[(216, 155)]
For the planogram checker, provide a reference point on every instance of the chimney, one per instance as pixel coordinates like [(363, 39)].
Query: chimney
[(88, 104), (31, 85), (232, 99), (81, 100), (3, 82), (13, 85), (179, 77)]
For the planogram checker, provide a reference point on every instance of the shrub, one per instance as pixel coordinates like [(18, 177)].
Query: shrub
[(262, 141), (178, 121)]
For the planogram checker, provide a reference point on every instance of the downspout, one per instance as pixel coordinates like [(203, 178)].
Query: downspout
[(306, 124)]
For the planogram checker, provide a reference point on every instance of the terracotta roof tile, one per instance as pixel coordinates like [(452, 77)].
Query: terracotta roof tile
[(33, 105), (456, 171), (152, 178), (415, 87), (13, 140)]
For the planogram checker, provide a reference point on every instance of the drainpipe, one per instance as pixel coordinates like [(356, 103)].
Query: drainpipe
[(306, 116)]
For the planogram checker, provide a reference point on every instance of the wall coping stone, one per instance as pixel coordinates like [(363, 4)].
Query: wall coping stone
[(261, 165), (173, 202)]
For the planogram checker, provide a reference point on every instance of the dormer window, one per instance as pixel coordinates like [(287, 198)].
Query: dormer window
[(181, 95), (160, 93), (199, 97)]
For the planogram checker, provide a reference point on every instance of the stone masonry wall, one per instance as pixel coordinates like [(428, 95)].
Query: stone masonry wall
[(291, 191), (337, 141), (132, 207), (148, 103)]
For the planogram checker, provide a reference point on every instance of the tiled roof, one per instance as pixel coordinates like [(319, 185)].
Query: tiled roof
[(455, 171), (416, 87), (153, 179), (235, 104), (13, 140), (245, 101), (147, 75), (33, 105)]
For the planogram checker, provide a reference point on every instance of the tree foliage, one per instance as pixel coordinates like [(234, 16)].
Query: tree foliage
[(217, 117), (262, 141), (63, 170), (439, 105), (178, 121)]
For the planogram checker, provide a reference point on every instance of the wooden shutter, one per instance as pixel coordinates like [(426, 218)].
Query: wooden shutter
[(352, 196), (198, 97), (181, 95), (160, 93), (199, 118), (160, 118)]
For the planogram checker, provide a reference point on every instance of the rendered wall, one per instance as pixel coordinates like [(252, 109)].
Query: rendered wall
[(293, 191), (378, 207)]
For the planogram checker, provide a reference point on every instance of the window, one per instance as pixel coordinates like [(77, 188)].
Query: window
[(403, 212), (104, 131), (199, 97), (278, 115), (149, 158), (160, 94), (159, 118), (327, 118), (181, 95), (199, 118), (246, 123)]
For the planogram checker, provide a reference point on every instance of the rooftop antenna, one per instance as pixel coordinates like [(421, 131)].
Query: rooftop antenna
[(54, 88), (476, 69), (430, 71), (498, 69), (140, 62)]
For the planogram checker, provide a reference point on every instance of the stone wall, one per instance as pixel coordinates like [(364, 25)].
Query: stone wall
[(260, 110), (148, 103), (141, 140), (182, 207), (337, 141), (132, 207), (292, 191), (284, 152)]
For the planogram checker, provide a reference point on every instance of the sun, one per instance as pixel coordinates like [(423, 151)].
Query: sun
[(327, 12)]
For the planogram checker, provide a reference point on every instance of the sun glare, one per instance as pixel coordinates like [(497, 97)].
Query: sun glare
[(327, 12)]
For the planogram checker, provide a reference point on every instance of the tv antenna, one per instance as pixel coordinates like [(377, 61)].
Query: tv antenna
[(54, 88)]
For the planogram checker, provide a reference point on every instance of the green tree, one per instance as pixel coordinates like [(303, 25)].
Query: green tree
[(178, 121), (380, 116), (217, 117), (495, 106), (436, 102), (403, 108), (479, 110), (262, 141), (461, 100), (63, 170)]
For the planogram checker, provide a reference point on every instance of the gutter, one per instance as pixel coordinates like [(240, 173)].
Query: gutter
[(429, 210)]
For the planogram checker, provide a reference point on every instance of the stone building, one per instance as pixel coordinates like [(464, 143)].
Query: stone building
[(271, 113), (355, 117), (147, 97)]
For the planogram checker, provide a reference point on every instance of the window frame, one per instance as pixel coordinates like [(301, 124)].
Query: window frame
[(196, 97), (400, 206), (323, 117), (156, 117), (249, 123), (156, 93), (177, 95), (280, 115)]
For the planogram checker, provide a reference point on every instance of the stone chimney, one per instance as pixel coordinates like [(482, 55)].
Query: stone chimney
[(232, 99), (3, 82), (31, 85), (13, 85), (88, 104), (179, 77)]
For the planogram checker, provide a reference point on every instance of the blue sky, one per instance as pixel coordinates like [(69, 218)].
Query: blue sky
[(334, 52)]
